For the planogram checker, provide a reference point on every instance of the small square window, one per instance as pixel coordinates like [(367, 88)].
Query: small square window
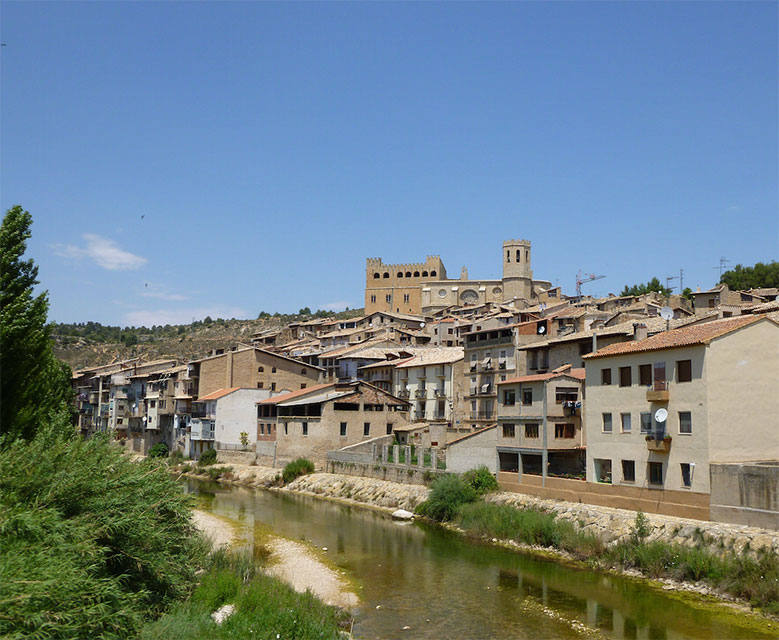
[(273, 370), (259, 385), (509, 397), (527, 396), (685, 422), (655, 473), (686, 475), (626, 425), (508, 431), (564, 431), (606, 423), (302, 385), (531, 430), (343, 428), (605, 376), (260, 369), (628, 470), (683, 370)]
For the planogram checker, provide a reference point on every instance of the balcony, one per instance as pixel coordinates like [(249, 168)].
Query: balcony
[(420, 393), (658, 443), (439, 415), (201, 429), (485, 390), (482, 415), (403, 393), (658, 392), (439, 392), (487, 365)]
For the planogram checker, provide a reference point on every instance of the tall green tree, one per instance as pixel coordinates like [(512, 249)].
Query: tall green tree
[(34, 385), (760, 275), (641, 289)]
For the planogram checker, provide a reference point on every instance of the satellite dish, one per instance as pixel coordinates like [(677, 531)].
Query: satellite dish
[(541, 329), (661, 415), (666, 313), (421, 325)]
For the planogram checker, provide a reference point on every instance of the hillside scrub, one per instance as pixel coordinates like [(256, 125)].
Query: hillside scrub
[(447, 495), (92, 543), (297, 468), (265, 607), (208, 457)]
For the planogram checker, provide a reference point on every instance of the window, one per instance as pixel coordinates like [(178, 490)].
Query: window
[(628, 471), (565, 394), (259, 385), (152, 403), (531, 430), (625, 377), (373, 298), (626, 426), (366, 429), (389, 428), (305, 428), (645, 375), (605, 376), (527, 396), (564, 431), (262, 429), (406, 297), (655, 473), (683, 370), (273, 386), (602, 470), (302, 385), (286, 429), (273, 370), (686, 475), (509, 397), (302, 372), (606, 423), (260, 369), (508, 431), (685, 422), (646, 422), (343, 428)]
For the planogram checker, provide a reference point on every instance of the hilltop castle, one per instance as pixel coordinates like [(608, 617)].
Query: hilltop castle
[(423, 287)]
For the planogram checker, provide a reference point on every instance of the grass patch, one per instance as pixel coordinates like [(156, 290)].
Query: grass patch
[(265, 607)]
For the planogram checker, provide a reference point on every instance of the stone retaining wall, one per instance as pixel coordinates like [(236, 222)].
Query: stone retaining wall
[(227, 456), (400, 473)]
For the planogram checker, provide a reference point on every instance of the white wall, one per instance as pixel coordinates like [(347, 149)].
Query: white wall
[(473, 451), (237, 412)]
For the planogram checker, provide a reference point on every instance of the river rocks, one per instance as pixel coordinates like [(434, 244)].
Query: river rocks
[(222, 613), (615, 525), (402, 514)]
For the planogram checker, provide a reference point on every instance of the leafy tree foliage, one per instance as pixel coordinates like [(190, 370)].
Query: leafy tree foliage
[(761, 275), (33, 384), (641, 289), (92, 543)]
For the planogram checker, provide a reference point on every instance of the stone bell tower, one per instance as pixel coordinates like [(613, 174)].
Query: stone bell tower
[(517, 274)]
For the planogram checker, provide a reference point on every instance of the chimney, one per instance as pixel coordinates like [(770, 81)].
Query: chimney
[(640, 331)]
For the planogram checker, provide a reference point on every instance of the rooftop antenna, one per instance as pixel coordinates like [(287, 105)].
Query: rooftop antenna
[(582, 280), (723, 261)]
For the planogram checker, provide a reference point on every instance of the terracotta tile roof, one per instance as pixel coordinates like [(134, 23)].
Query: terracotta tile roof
[(296, 394), (539, 377), (433, 356), (682, 337), (215, 395)]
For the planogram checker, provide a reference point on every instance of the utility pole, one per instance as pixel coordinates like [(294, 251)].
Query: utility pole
[(681, 280), (723, 261)]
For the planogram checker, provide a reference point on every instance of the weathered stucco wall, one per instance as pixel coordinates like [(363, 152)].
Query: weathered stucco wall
[(746, 494)]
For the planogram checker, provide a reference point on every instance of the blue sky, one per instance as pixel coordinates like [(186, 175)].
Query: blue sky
[(192, 159)]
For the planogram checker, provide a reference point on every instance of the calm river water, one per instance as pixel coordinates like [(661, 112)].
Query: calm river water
[(441, 585)]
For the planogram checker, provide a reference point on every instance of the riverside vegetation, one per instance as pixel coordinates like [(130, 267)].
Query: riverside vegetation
[(459, 500)]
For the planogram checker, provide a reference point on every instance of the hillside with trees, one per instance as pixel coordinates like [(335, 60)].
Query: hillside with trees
[(741, 278)]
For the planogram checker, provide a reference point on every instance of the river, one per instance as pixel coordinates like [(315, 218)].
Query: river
[(439, 585)]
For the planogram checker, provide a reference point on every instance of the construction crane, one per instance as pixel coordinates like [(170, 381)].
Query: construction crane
[(582, 280)]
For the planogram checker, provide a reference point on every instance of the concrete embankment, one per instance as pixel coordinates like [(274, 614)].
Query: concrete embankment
[(609, 524)]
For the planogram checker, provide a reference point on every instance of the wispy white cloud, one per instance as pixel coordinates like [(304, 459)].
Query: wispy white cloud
[(159, 292), (338, 305), (150, 317), (102, 251)]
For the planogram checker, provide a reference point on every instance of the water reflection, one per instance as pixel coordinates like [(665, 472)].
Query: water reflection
[(443, 586)]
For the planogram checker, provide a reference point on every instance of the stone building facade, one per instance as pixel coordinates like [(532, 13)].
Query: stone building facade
[(424, 288)]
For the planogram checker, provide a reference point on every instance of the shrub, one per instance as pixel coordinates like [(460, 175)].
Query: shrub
[(176, 457), (296, 468), (92, 542), (641, 529), (447, 495), (159, 450), (481, 480), (208, 457)]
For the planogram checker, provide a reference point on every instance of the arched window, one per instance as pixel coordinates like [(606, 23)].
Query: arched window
[(432, 274), (377, 275), (400, 274), (386, 274), (260, 369), (508, 256), (519, 255), (424, 274), (416, 274), (408, 274), (527, 255)]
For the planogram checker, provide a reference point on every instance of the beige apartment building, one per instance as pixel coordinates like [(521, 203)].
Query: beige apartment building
[(432, 381), (424, 288), (254, 368), (540, 429), (661, 410), (310, 422)]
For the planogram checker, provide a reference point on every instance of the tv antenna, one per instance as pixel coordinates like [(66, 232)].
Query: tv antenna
[(583, 280), (723, 261)]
